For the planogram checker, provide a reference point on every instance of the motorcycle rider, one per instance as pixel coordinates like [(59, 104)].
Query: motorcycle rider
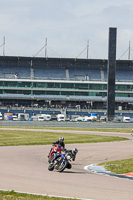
[(60, 143), (74, 152)]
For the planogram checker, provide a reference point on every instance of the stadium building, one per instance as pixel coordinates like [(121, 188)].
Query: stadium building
[(28, 81)]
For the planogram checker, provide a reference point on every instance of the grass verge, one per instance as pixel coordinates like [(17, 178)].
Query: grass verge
[(119, 166), (20, 137), (12, 195)]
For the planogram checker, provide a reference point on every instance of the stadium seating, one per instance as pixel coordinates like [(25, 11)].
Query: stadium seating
[(124, 75), (85, 74), (81, 74), (14, 72), (49, 73), (121, 75)]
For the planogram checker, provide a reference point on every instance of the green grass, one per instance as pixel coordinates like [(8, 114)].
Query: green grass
[(11, 195), (119, 166), (20, 137)]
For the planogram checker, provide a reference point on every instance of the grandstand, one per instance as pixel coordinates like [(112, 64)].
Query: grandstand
[(62, 81)]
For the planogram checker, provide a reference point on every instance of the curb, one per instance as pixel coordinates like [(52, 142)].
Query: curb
[(101, 170)]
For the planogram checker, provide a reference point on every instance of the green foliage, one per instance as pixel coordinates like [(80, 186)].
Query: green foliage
[(12, 195)]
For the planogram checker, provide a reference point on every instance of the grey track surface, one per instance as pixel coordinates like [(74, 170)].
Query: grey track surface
[(25, 169)]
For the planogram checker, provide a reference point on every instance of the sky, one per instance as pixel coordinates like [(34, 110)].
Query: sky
[(68, 25)]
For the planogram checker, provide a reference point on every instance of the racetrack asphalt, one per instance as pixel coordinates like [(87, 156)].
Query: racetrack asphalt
[(25, 169)]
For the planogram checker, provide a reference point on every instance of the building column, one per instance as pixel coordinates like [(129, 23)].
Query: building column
[(111, 74)]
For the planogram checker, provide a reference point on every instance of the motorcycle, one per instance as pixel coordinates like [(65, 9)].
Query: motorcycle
[(53, 151), (62, 161)]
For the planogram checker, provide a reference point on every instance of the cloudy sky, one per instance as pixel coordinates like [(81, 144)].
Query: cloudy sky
[(68, 25)]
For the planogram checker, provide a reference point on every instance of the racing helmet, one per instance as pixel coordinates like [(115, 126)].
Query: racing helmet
[(74, 151), (61, 139)]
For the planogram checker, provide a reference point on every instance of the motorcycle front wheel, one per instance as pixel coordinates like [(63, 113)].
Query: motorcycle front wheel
[(62, 167), (51, 167)]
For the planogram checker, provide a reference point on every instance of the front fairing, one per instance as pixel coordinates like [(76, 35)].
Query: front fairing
[(66, 157)]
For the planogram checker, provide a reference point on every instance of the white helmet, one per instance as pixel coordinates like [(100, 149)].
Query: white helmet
[(74, 151)]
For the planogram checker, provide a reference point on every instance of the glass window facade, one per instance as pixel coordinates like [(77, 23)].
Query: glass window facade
[(124, 88), (25, 92), (63, 88)]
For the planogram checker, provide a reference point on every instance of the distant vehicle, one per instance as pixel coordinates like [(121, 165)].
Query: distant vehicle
[(40, 118), (103, 118), (1, 116), (92, 117), (47, 117), (8, 116), (60, 117), (53, 118), (34, 118), (73, 119), (67, 119), (118, 119), (14, 118), (44, 117), (126, 119), (86, 119), (22, 116), (79, 119)]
